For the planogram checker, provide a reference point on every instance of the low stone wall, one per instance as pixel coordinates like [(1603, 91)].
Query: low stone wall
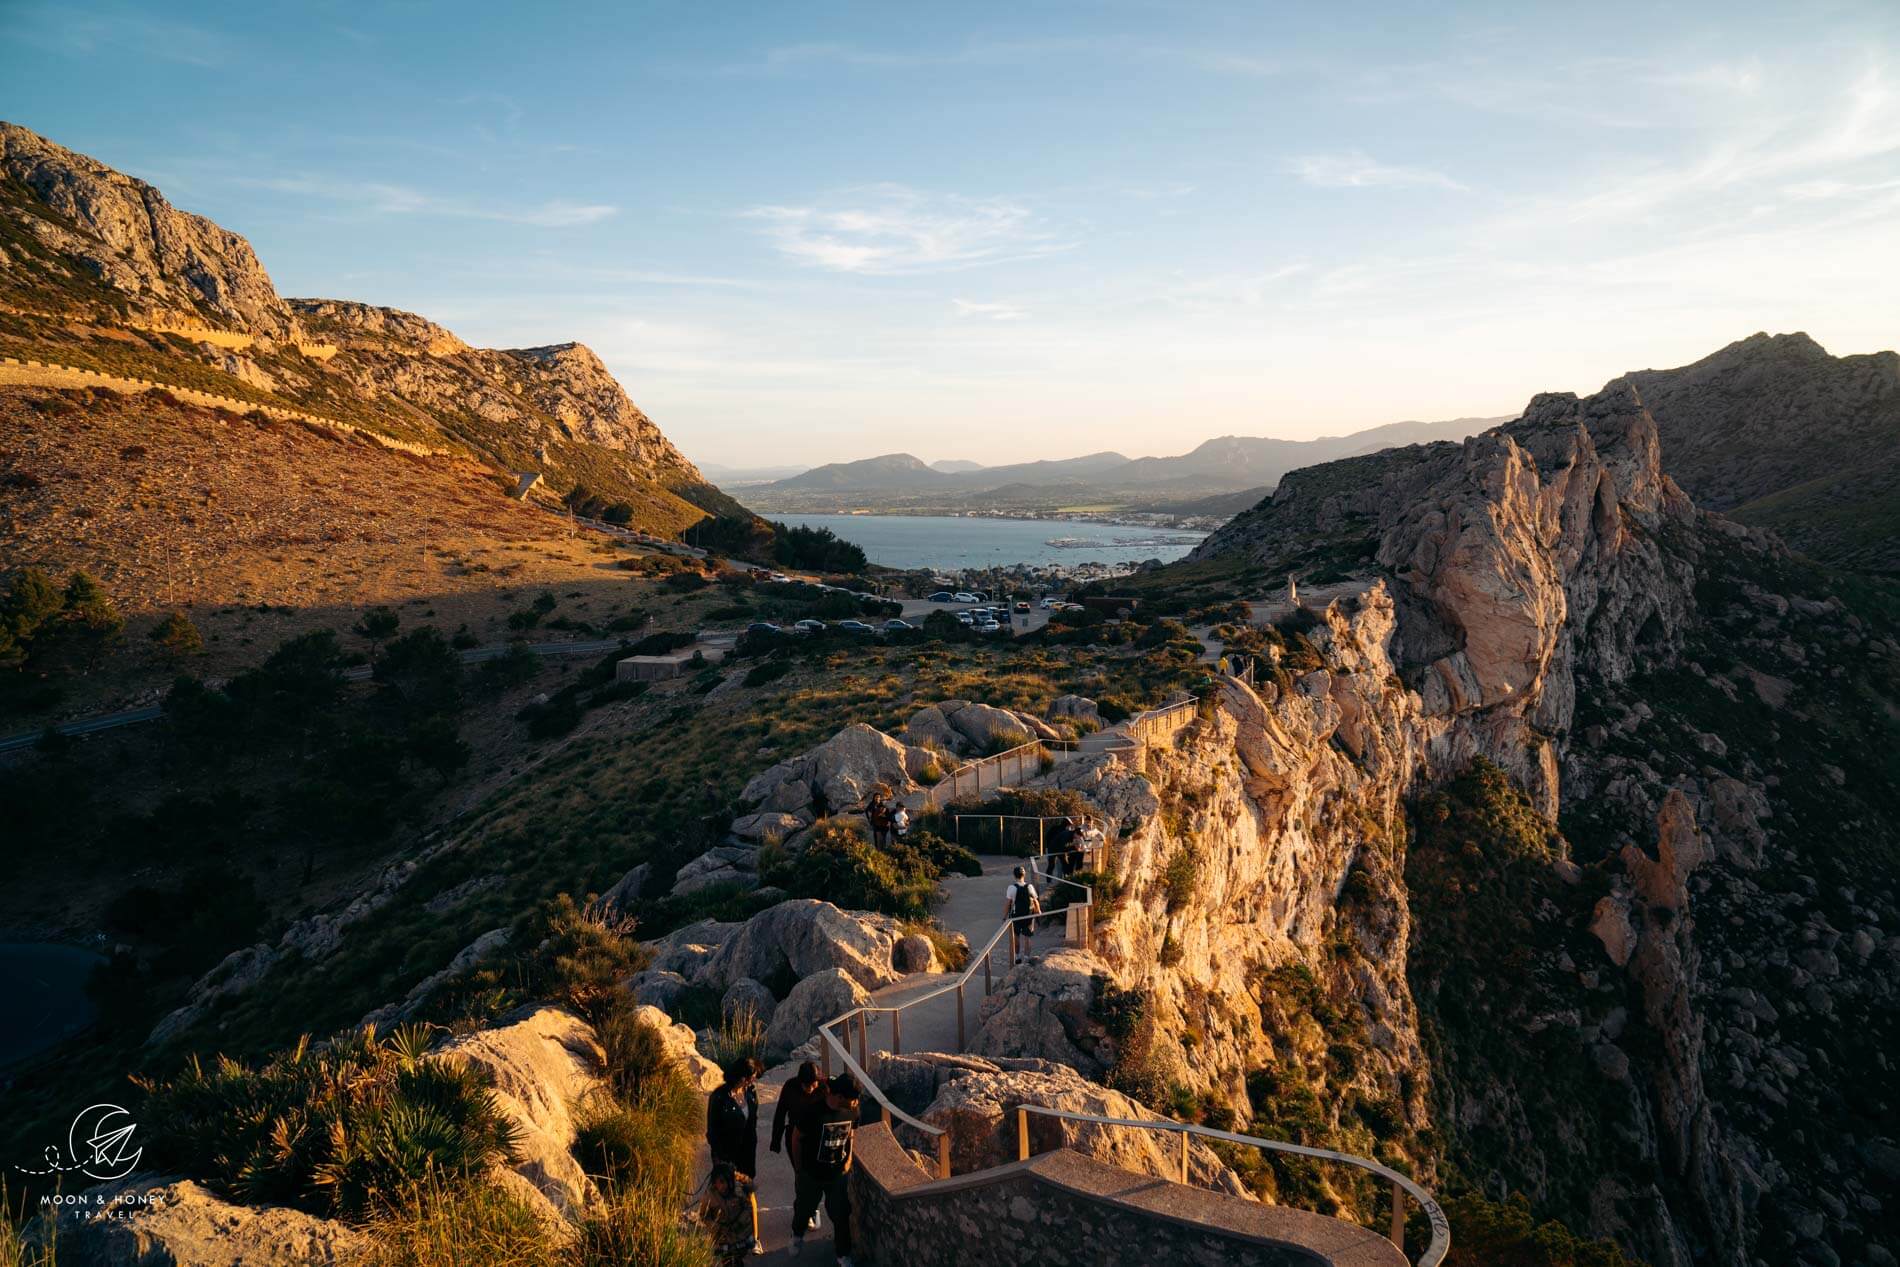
[(1062, 1209), (46, 374)]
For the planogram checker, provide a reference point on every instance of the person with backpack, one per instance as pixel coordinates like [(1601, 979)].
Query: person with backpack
[(732, 1127), (1021, 904), (803, 1094), (825, 1138), (900, 821)]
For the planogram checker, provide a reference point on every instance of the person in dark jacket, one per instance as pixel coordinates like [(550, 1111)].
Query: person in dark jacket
[(804, 1093), (826, 1141), (732, 1126)]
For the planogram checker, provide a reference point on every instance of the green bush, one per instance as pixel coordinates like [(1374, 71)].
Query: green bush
[(1488, 1233), (840, 865), (459, 1225), (342, 1130)]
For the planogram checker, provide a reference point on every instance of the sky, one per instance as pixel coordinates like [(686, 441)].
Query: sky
[(813, 232)]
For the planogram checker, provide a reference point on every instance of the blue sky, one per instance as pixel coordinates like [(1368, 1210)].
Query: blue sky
[(810, 232)]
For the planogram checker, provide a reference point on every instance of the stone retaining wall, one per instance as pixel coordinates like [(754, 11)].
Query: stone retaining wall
[(1062, 1209), (46, 374)]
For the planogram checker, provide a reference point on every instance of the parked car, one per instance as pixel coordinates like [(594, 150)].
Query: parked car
[(855, 626), (895, 625), (943, 596), (780, 577), (962, 596), (989, 626), (762, 627), (1023, 607), (1053, 600), (809, 626), (966, 618)]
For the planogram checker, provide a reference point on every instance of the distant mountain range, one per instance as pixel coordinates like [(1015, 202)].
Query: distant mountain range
[(1212, 472)]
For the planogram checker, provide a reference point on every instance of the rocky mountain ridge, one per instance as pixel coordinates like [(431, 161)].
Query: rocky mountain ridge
[(1774, 431), (1682, 878), (99, 270)]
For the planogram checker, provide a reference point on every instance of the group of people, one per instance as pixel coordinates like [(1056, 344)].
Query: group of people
[(1072, 845), (816, 1126), (887, 816)]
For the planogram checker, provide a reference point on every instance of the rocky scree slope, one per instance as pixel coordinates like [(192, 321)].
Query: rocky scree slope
[(1636, 962), (98, 270)]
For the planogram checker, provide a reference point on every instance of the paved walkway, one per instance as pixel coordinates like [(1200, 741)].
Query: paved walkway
[(973, 906)]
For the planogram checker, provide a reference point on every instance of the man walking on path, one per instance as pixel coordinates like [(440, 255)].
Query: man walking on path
[(1021, 905), (825, 1142), (803, 1095)]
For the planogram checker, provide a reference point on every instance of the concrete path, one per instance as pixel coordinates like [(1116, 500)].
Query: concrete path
[(971, 905)]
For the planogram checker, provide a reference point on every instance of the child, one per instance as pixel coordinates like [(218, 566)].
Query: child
[(728, 1209)]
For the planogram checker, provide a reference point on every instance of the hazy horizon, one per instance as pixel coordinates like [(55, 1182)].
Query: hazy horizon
[(803, 238)]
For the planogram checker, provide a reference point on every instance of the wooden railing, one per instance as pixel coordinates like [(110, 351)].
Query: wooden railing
[(1078, 929), (1402, 1185)]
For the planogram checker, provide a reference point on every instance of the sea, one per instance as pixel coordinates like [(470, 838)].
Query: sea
[(949, 542)]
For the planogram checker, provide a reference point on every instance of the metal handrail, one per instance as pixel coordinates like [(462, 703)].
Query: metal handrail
[(1402, 1185)]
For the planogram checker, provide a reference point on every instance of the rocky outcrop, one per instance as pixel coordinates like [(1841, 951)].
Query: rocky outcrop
[(166, 1221), (805, 936), (962, 727), (813, 1001), (682, 1047), (846, 767), (1044, 1009), (974, 1099), (121, 233), (545, 1064), (489, 944)]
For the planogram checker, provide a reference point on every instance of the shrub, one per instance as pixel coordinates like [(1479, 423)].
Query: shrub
[(582, 955), (1505, 1234), (345, 1130), (178, 636), (1178, 880), (840, 865), (767, 671)]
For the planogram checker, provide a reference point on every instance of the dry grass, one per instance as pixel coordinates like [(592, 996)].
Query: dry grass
[(259, 531)]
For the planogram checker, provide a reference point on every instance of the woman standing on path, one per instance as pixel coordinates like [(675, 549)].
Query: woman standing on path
[(732, 1128)]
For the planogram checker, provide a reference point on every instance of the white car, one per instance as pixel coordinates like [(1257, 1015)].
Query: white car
[(989, 626), (1051, 602), (966, 618), (963, 597), (895, 625), (810, 626), (779, 578)]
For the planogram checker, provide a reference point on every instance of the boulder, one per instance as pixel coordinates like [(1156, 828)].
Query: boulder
[(977, 1107), (984, 728), (628, 888), (929, 727), (790, 797), (855, 760), (656, 988), (733, 865), (489, 943), (914, 953), (1078, 708), (811, 1003), (165, 1221), (1041, 1010), (770, 824), (746, 994), (804, 936), (688, 950), (545, 1063), (682, 1047)]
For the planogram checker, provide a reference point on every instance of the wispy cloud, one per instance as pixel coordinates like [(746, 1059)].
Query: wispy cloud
[(74, 30), (1355, 170), (378, 198), (988, 311), (893, 230)]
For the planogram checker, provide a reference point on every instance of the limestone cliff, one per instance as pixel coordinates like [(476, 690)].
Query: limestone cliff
[(1558, 980)]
